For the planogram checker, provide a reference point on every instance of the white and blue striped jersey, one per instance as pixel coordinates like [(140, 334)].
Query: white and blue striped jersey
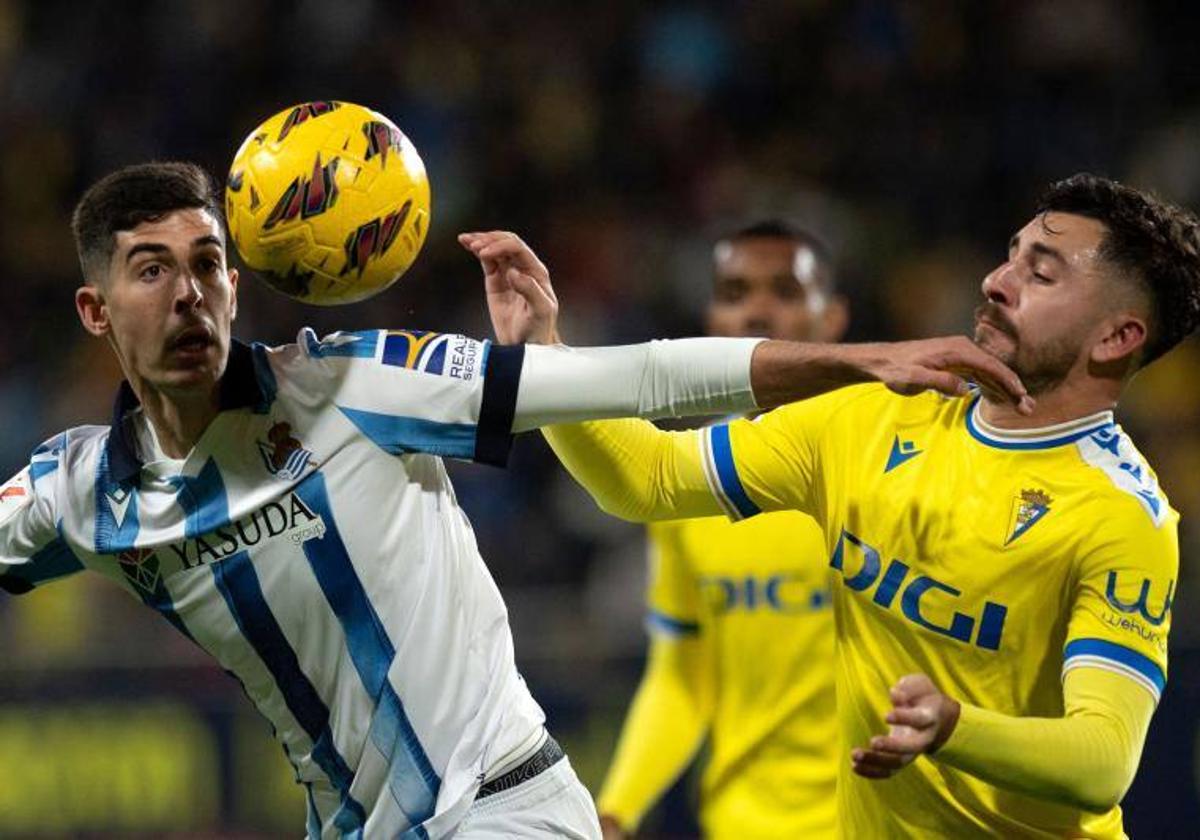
[(312, 544)]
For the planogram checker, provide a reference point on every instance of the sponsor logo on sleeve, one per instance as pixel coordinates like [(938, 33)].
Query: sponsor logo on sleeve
[(15, 496)]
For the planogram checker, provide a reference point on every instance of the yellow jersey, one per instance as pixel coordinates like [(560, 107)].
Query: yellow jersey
[(756, 597), (992, 561)]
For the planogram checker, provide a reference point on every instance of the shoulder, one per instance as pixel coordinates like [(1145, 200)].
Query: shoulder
[(1120, 474), (872, 403)]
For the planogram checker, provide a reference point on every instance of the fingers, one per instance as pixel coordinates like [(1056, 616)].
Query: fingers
[(877, 764), (966, 356), (918, 717), (505, 246), (531, 290)]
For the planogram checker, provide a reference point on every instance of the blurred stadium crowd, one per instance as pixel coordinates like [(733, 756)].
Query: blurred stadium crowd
[(618, 138)]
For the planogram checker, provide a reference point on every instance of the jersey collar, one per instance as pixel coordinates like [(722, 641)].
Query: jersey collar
[(240, 388), (1041, 438)]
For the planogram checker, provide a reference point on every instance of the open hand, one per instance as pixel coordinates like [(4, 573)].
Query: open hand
[(945, 365), (521, 300), (921, 720)]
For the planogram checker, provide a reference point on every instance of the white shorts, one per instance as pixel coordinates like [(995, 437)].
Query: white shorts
[(554, 803)]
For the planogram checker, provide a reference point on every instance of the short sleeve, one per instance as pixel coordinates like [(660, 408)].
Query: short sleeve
[(1121, 615), (32, 552), (673, 607), (775, 461), (414, 391)]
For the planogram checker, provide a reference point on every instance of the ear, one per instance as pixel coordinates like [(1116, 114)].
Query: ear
[(233, 287), (1124, 338), (835, 319), (93, 310)]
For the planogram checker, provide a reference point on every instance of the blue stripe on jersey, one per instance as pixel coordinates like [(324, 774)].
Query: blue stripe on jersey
[(203, 500), (42, 468), (722, 451), (113, 536), (1120, 654), (238, 583), (265, 376), (413, 781), (663, 623), (398, 435), (44, 459)]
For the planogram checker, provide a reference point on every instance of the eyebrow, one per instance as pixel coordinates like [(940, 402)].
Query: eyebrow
[(1038, 248), (159, 248)]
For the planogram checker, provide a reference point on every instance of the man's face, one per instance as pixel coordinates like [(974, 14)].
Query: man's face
[(168, 302), (773, 287), (1045, 305)]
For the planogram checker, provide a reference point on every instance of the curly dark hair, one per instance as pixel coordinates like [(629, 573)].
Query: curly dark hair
[(124, 199), (1156, 243)]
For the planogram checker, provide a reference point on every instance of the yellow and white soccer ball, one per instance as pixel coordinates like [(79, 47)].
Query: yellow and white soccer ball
[(328, 202)]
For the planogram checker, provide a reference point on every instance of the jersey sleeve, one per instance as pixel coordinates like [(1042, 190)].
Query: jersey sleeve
[(413, 391), (1125, 585), (673, 604), (32, 551), (775, 462)]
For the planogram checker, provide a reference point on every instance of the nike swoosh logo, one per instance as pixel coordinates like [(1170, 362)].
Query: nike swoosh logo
[(900, 453)]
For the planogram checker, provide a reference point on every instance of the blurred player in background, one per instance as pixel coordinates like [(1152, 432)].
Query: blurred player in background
[(1006, 579), (741, 632), (287, 509)]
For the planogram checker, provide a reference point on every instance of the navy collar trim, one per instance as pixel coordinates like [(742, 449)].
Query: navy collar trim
[(1044, 438), (239, 388)]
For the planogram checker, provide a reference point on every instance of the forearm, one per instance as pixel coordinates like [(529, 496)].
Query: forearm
[(561, 384), (787, 371), (635, 471), (1086, 759), (665, 726)]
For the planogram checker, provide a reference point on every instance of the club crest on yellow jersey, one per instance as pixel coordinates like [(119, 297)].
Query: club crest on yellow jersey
[(1027, 510)]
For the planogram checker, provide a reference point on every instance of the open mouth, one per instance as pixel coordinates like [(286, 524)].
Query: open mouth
[(193, 340)]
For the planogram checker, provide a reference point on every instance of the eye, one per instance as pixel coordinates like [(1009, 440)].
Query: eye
[(152, 271), (1042, 278)]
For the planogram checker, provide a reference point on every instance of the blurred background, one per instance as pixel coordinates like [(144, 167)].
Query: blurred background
[(619, 139)]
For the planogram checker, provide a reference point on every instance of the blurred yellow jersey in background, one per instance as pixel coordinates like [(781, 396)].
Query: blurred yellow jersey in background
[(748, 605), (993, 561)]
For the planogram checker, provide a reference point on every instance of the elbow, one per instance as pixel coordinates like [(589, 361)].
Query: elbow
[(1101, 790), (627, 508)]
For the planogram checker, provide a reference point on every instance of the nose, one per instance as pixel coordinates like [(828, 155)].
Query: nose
[(189, 295), (998, 287), (758, 314)]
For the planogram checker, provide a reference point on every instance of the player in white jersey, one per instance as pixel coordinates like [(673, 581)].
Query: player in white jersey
[(286, 508)]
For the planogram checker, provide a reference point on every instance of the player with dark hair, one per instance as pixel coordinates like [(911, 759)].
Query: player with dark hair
[(741, 634), (1003, 581), (287, 509)]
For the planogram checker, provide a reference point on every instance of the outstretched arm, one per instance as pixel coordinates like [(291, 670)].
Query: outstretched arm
[(701, 375)]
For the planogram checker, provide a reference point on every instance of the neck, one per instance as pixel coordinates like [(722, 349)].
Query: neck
[(179, 419), (1063, 403)]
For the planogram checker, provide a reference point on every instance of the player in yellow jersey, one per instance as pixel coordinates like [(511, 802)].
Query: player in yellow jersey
[(741, 632), (1005, 566)]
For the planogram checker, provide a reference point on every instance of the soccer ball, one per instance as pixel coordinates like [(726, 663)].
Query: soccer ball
[(328, 202)]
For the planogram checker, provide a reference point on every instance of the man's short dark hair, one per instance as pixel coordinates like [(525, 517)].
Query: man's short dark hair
[(124, 199), (1155, 243), (782, 229)]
